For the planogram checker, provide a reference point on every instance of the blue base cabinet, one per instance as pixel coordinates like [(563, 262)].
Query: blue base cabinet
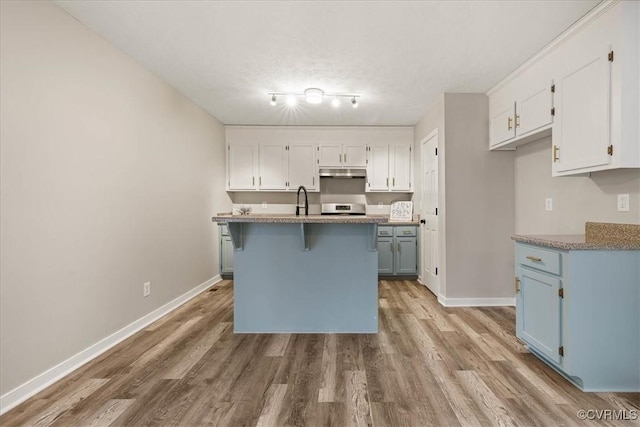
[(579, 311), (226, 252), (397, 250)]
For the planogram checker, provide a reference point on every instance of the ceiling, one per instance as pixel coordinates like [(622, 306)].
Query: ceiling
[(400, 56)]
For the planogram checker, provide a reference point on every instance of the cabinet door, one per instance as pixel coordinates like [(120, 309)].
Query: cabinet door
[(226, 255), (581, 131), (538, 312), (330, 155), (406, 261), (401, 167), (378, 168), (354, 156), (502, 126), (303, 169), (273, 167), (533, 108), (242, 166), (385, 255)]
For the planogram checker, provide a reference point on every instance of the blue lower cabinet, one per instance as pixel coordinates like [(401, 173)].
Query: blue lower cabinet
[(397, 250), (225, 252), (385, 255), (578, 311)]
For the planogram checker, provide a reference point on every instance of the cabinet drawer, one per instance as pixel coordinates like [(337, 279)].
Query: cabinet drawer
[(385, 231), (538, 258), (405, 231), (224, 231)]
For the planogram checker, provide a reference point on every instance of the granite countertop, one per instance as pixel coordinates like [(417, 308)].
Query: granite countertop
[(292, 219), (414, 221), (598, 236)]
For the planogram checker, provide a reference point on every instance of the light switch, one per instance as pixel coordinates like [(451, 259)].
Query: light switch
[(623, 203), (548, 204)]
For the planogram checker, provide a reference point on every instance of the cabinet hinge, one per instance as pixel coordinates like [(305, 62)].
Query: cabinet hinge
[(553, 111), (610, 150), (517, 284), (561, 293), (610, 57), (561, 350), (436, 271), (553, 88)]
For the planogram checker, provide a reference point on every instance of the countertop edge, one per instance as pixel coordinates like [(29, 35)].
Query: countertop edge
[(311, 219), (559, 243)]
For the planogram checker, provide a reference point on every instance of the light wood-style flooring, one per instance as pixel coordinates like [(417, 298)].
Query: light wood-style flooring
[(427, 366)]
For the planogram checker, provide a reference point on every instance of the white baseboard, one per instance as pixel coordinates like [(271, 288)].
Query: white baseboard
[(476, 302), (45, 379)]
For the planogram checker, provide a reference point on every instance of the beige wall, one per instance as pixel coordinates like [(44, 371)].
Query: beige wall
[(576, 199), (476, 200), (109, 180)]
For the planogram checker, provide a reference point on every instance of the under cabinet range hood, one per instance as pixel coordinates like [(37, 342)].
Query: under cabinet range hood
[(343, 173)]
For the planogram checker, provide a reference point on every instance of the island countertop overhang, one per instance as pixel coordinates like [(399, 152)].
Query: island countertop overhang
[(293, 219)]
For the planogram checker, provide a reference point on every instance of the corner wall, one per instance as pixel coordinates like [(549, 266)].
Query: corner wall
[(109, 179)]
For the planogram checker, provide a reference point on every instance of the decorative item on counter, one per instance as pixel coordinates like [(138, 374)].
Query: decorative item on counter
[(244, 211), (401, 211)]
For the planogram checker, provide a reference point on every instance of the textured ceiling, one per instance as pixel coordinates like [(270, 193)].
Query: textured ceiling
[(226, 56)]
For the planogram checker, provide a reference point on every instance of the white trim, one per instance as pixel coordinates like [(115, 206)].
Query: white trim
[(50, 376), (476, 302), (428, 137), (590, 16)]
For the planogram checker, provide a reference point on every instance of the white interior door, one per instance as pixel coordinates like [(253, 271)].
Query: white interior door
[(429, 210)]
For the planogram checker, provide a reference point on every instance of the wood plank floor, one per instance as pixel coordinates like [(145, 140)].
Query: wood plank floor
[(428, 366)]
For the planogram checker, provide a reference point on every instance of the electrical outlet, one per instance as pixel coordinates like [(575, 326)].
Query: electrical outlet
[(146, 289), (548, 204), (380, 205), (264, 205), (623, 203)]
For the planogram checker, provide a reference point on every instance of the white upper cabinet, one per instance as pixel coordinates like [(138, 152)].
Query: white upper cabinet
[(390, 167), (593, 108), (342, 155), (400, 170), (242, 162), (273, 166), (303, 169), (378, 168), (282, 158), (597, 93)]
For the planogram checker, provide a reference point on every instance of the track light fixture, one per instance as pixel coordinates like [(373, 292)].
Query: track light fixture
[(313, 95)]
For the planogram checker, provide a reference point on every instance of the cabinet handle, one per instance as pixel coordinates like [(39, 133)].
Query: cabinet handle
[(387, 181), (517, 285), (555, 153), (394, 181), (398, 247), (406, 231), (340, 157), (517, 120), (253, 180), (391, 245), (314, 181), (509, 120), (534, 258), (345, 157), (260, 180)]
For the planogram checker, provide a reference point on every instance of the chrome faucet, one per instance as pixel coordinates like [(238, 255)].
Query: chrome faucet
[(306, 202)]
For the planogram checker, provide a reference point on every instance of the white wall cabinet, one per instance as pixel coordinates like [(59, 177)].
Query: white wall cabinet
[(303, 169), (273, 166), (242, 164), (390, 168), (342, 155), (594, 69)]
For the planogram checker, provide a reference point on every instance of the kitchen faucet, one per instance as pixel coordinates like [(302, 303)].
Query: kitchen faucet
[(306, 202)]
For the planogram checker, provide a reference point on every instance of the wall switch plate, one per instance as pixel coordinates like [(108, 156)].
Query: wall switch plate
[(380, 205), (623, 203), (264, 205), (146, 289), (548, 204)]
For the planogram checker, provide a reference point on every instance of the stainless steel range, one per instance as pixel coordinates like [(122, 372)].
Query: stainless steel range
[(343, 193)]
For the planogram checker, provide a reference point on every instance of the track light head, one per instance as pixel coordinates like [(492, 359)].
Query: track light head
[(354, 102), (273, 99)]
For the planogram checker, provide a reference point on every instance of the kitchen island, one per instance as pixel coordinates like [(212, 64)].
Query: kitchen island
[(304, 274)]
